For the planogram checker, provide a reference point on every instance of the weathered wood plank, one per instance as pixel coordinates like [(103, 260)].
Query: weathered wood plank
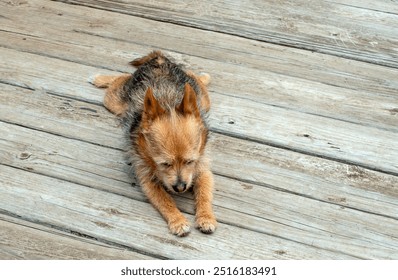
[(296, 220), (25, 240), (234, 115), (321, 26), (133, 223), (31, 108)]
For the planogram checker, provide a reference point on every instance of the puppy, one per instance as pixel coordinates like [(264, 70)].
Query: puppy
[(163, 109)]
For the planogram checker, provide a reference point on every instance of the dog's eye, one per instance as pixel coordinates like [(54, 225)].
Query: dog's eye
[(188, 162), (166, 164)]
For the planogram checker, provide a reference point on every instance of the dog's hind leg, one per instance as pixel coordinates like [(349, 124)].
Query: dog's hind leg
[(115, 99), (103, 81), (203, 80)]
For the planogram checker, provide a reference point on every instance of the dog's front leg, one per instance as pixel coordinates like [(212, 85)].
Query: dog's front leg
[(203, 191), (165, 204)]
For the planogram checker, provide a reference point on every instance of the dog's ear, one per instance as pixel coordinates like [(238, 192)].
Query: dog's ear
[(152, 108), (188, 104)]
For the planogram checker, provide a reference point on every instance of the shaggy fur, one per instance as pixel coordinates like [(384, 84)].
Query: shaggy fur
[(163, 109)]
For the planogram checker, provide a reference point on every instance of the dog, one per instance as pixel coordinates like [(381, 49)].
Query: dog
[(163, 109)]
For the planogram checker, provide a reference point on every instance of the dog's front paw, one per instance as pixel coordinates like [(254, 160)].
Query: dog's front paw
[(180, 227), (206, 224)]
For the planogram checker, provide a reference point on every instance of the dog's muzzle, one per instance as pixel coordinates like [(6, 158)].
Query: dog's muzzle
[(180, 187)]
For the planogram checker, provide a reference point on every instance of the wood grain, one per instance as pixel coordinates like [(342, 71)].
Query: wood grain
[(322, 26), (30, 241), (303, 142)]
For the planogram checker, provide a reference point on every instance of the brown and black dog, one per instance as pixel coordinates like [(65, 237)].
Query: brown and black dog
[(163, 109)]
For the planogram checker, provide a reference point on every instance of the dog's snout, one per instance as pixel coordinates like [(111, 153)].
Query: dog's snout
[(180, 186)]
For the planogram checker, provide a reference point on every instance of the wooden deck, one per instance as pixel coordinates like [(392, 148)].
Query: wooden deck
[(304, 128)]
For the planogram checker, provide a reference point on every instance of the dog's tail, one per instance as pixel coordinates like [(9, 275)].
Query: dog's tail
[(155, 54)]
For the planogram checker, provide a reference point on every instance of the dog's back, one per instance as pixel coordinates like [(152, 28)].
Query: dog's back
[(166, 78)]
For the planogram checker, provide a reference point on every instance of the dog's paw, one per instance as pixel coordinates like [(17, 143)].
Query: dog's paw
[(100, 81), (180, 227), (204, 78), (206, 224), (92, 79)]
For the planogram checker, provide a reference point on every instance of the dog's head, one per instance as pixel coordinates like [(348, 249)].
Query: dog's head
[(173, 140)]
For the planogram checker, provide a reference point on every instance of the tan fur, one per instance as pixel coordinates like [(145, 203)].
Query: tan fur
[(170, 145), (203, 81), (113, 100), (139, 61)]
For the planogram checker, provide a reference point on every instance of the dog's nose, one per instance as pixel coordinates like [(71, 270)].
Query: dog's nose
[(180, 187)]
